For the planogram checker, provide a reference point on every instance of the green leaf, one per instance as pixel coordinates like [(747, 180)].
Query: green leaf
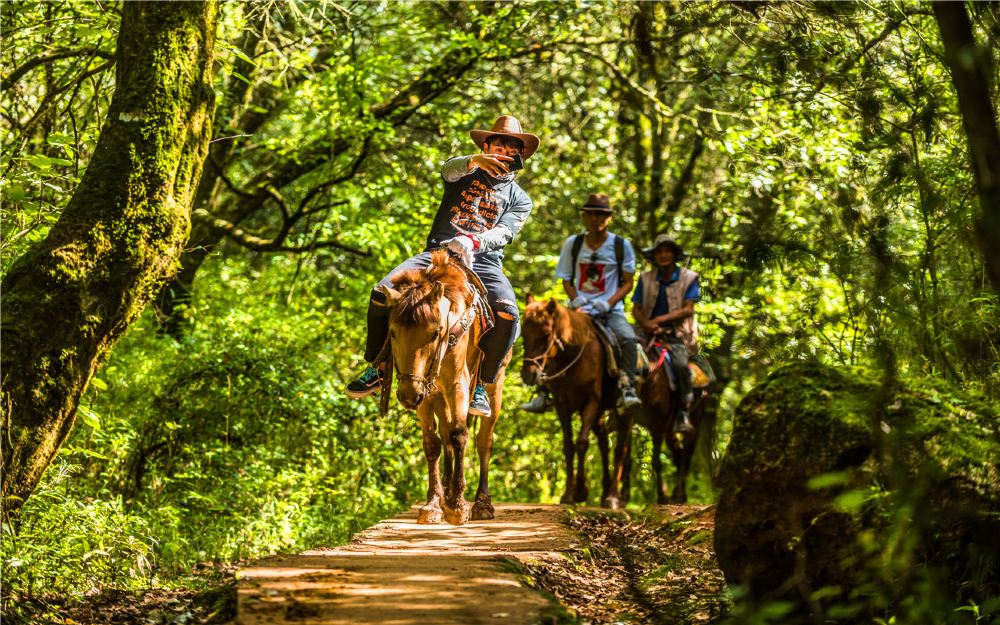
[(241, 77), (89, 417), (99, 384)]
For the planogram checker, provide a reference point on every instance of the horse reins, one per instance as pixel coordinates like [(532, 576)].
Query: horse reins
[(553, 344), (448, 340)]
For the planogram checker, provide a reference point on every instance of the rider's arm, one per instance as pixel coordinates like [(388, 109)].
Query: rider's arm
[(455, 168), (686, 310), (570, 289), (509, 224), (565, 270), (628, 280)]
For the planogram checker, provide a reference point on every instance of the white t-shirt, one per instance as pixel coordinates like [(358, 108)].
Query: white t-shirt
[(596, 273)]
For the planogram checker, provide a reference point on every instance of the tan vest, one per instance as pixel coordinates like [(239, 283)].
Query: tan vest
[(687, 328)]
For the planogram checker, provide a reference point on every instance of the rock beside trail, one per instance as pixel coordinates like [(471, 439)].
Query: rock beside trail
[(830, 482)]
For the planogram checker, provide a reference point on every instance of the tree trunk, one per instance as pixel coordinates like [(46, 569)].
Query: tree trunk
[(970, 76), (72, 295)]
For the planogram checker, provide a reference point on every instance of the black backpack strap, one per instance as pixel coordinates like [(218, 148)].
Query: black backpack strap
[(619, 256), (577, 246)]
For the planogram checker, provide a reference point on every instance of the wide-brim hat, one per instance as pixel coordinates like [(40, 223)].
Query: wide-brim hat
[(664, 239), (598, 202), (510, 126)]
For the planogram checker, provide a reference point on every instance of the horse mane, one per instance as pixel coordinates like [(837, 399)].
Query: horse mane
[(569, 326), (415, 285)]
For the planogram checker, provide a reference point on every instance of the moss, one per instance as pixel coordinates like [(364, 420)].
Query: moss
[(821, 458), (69, 298)]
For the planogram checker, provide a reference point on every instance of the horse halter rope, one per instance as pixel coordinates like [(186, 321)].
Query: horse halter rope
[(554, 347), (447, 340)]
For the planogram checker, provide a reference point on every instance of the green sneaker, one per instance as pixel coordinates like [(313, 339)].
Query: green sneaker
[(480, 404), (366, 383)]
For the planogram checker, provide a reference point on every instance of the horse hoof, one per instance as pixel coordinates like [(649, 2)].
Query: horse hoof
[(482, 512), (566, 499), (457, 517), (611, 503), (429, 516)]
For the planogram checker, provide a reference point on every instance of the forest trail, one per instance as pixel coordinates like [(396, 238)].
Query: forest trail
[(398, 572)]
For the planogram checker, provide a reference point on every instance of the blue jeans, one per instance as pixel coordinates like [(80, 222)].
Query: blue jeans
[(499, 294)]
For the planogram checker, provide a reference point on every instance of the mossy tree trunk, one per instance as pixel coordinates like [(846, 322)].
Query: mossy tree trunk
[(72, 295), (970, 73)]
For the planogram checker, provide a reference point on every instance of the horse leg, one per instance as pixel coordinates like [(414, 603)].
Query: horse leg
[(623, 441), (656, 432), (589, 416), (609, 490), (566, 422), (456, 508), (482, 509), (430, 512), (682, 452)]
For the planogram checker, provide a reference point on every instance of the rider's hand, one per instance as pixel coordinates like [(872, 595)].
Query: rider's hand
[(651, 327), (599, 307), (578, 301), (462, 246), (493, 164)]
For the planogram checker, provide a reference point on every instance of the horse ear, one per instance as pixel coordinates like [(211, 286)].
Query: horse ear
[(552, 306), (530, 299), (437, 291), (392, 296)]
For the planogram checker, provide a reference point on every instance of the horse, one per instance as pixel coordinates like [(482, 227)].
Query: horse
[(434, 331), (658, 414), (562, 350)]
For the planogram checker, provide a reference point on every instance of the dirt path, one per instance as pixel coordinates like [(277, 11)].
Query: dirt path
[(656, 566), (398, 573)]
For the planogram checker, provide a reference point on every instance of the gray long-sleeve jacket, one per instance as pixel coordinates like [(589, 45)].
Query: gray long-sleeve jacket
[(474, 202)]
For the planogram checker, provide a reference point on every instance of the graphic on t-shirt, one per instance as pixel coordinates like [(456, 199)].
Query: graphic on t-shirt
[(592, 278), (477, 210)]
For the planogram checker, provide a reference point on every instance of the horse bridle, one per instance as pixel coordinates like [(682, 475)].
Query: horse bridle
[(551, 351), (447, 340)]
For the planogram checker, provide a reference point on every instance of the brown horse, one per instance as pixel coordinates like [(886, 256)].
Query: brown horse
[(658, 414), (434, 332), (562, 351)]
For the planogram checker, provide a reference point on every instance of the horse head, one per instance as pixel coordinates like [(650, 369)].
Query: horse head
[(426, 303), (545, 329)]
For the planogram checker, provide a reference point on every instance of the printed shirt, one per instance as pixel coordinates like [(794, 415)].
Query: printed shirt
[(475, 202), (662, 307), (596, 273)]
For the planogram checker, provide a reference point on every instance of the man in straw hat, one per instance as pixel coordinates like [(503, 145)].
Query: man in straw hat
[(482, 209), (664, 307), (597, 270)]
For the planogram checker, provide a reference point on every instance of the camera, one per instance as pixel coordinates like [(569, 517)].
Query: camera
[(515, 164)]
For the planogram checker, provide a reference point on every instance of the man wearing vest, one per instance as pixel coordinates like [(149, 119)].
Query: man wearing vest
[(483, 208), (664, 307), (597, 270)]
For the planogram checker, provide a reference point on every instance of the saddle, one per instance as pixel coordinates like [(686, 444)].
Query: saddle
[(483, 315), (702, 374), (612, 350)]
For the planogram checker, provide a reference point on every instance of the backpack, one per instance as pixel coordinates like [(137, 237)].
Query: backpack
[(619, 252)]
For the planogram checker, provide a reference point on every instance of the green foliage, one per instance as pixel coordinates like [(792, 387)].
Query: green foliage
[(829, 212)]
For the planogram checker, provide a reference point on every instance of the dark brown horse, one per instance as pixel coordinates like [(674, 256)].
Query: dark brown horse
[(658, 415), (434, 331), (562, 351)]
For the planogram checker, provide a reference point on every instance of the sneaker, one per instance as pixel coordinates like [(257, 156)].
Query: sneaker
[(366, 383), (480, 404), (542, 402), (683, 425), (629, 400)]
